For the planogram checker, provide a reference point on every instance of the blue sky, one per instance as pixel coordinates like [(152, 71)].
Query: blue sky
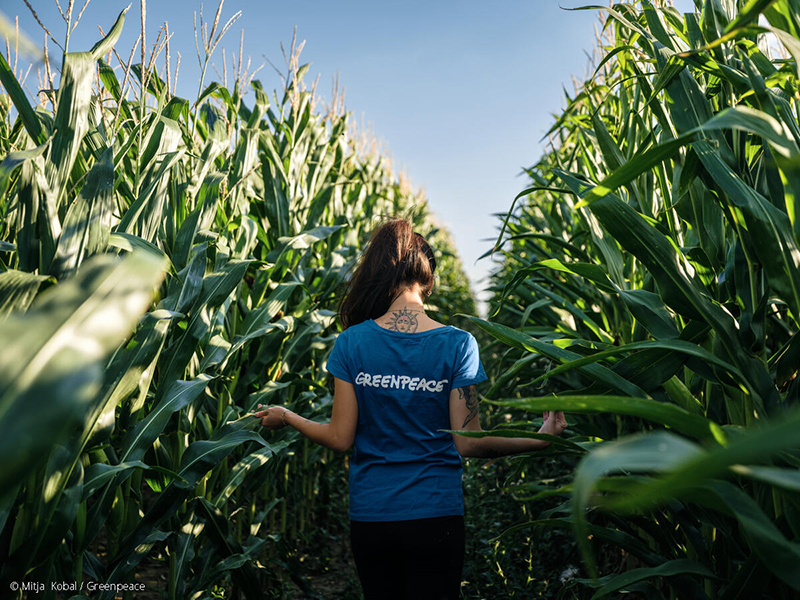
[(461, 92)]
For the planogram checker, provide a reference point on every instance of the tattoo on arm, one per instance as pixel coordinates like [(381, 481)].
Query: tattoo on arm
[(469, 395)]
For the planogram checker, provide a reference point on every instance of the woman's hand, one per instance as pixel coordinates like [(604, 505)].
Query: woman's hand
[(272, 417), (554, 422), (338, 434)]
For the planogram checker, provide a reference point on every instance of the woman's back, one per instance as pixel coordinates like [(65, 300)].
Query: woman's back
[(405, 466)]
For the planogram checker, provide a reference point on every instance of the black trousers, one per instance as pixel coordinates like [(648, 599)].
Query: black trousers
[(419, 559)]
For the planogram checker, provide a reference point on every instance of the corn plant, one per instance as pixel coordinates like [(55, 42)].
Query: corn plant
[(650, 284), (167, 266)]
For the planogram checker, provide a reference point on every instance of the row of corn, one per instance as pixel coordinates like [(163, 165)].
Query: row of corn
[(166, 266), (650, 286)]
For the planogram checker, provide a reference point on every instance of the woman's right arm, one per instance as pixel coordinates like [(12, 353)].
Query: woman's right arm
[(464, 416), (338, 434)]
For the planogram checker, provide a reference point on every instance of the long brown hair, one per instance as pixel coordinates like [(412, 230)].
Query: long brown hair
[(395, 258)]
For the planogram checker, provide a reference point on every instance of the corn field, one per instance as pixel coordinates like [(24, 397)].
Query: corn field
[(650, 286), (167, 264)]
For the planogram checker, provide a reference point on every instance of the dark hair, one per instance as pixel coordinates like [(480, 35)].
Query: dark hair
[(395, 258)]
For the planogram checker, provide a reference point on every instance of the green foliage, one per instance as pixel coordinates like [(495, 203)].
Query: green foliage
[(166, 268), (649, 286)]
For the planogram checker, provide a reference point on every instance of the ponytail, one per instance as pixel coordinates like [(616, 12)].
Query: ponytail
[(395, 258)]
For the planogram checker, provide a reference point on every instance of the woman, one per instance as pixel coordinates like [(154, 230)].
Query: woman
[(401, 378)]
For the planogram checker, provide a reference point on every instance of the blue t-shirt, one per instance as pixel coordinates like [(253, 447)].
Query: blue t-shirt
[(404, 467)]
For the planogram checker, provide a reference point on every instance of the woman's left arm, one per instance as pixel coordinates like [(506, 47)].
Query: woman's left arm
[(337, 435)]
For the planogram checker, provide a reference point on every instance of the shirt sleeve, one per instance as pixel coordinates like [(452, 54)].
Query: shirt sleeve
[(339, 361), (469, 369)]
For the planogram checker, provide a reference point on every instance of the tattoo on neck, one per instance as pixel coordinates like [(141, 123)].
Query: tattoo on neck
[(469, 395), (403, 320)]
